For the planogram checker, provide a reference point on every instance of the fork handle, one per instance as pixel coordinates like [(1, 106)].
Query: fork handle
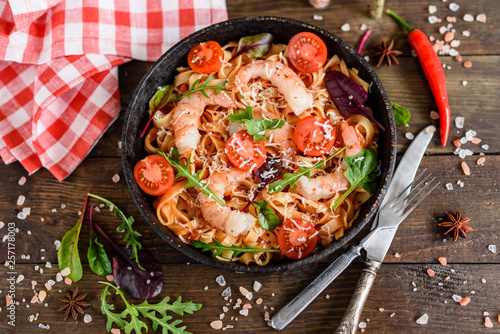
[(303, 299), (350, 320)]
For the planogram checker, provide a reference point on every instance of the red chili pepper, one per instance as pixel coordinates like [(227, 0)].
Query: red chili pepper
[(433, 71)]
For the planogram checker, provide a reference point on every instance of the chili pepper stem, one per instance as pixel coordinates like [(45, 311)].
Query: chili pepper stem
[(400, 20)]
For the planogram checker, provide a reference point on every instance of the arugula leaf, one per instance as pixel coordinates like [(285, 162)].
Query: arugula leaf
[(267, 218), (256, 127), (98, 259), (218, 88), (68, 255), (401, 114), (193, 179), (148, 311), (254, 46), (361, 172), (131, 236), (237, 250), (289, 179)]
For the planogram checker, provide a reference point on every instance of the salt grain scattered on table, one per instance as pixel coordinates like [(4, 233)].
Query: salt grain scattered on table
[(397, 255), (21, 199), (68, 281), (467, 64), (115, 331), (481, 18), (468, 18), (42, 295), (453, 7), (465, 168), (22, 181), (318, 17), (258, 301), (487, 322), (434, 115), (431, 272), (226, 292), (432, 9), (409, 136), (256, 286), (423, 320), (443, 260), (492, 248), (87, 318), (459, 122), (480, 161), (220, 280), (449, 186), (363, 27), (457, 298), (66, 271), (362, 324), (432, 19), (346, 27), (116, 178), (244, 312), (465, 301), (217, 324), (466, 33)]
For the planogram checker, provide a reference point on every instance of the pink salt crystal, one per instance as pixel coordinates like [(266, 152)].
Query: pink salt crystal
[(42, 295), (68, 281), (465, 168), (109, 278), (217, 324), (467, 64), (480, 161), (8, 300), (66, 271), (443, 260), (458, 58), (34, 299), (259, 301), (381, 309), (430, 272), (447, 278), (449, 36), (48, 286), (115, 331), (487, 322), (465, 301), (457, 143), (247, 305), (33, 284), (266, 315), (475, 140), (451, 19), (243, 291), (434, 115)]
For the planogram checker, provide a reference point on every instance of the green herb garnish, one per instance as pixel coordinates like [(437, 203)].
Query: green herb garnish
[(289, 179), (361, 172), (132, 235), (193, 179), (237, 250), (401, 114), (202, 88), (256, 127), (157, 313), (265, 214)]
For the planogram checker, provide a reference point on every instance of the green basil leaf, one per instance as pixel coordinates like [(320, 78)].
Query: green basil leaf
[(266, 216), (401, 114), (98, 259), (241, 115), (68, 256)]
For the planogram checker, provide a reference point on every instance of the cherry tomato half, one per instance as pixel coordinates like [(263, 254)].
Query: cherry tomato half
[(244, 152), (297, 238), (307, 52), (314, 136), (205, 57), (154, 175)]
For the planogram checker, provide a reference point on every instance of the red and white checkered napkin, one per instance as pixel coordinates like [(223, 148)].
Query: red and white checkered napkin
[(58, 75)]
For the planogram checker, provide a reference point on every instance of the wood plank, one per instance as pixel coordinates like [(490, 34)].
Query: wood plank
[(483, 40), (393, 291), (419, 239)]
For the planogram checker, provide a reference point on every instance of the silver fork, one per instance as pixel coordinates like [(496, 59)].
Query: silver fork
[(388, 217)]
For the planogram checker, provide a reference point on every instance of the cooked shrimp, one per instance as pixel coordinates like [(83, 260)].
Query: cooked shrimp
[(352, 138), (234, 223), (322, 187), (282, 77), (186, 117)]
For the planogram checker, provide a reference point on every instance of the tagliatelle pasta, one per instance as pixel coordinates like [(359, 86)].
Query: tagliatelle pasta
[(180, 208)]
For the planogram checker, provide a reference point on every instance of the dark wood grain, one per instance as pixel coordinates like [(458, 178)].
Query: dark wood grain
[(418, 242)]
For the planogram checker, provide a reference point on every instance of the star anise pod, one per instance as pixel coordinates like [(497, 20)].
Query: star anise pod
[(387, 52), (74, 303), (457, 225)]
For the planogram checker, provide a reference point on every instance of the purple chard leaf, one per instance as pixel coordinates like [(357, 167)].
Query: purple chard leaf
[(140, 284), (348, 96), (270, 171), (254, 46)]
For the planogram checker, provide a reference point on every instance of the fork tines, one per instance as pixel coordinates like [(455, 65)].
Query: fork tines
[(401, 202)]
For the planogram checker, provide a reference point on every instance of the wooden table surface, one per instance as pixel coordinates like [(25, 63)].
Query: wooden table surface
[(402, 288)]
